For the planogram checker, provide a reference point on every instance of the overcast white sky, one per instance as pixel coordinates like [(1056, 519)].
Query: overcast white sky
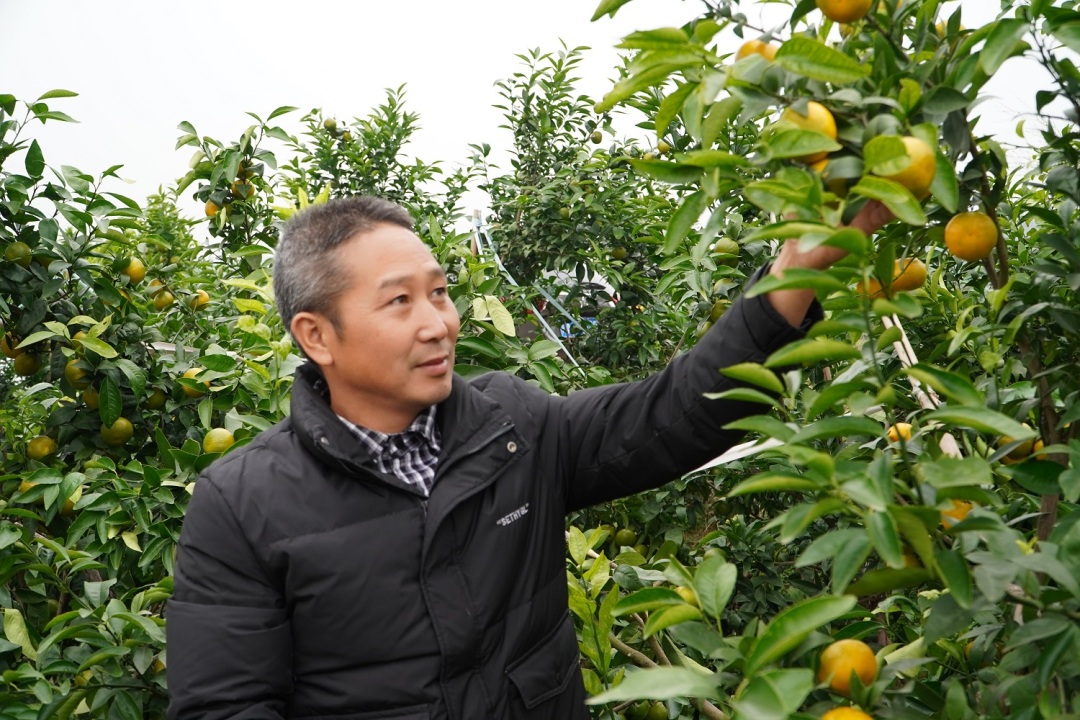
[(141, 67)]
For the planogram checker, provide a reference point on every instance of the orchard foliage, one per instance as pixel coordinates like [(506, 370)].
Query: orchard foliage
[(916, 475)]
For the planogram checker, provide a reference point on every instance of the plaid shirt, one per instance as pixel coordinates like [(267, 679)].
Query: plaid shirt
[(411, 455)]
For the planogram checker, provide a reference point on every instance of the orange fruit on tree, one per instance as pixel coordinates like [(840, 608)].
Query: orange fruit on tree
[(757, 47), (41, 447), (76, 375), (212, 208), (688, 595), (156, 399), (910, 276), (843, 657), (971, 235), (919, 173), (958, 511), (91, 397), (118, 433), (8, 345), (872, 288), (154, 287), (818, 119), (838, 186), (199, 300), (844, 11), (19, 253), (135, 271), (163, 300), (218, 440), (192, 392), (242, 189), (27, 364), (899, 430), (846, 713)]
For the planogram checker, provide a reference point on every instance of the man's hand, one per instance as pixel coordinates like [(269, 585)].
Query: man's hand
[(793, 304)]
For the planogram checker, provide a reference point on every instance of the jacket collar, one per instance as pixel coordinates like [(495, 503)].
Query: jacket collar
[(466, 419)]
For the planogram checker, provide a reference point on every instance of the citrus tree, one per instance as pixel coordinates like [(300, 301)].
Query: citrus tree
[(919, 447)]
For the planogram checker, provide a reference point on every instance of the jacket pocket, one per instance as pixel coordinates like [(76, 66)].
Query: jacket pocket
[(548, 668), (414, 712)]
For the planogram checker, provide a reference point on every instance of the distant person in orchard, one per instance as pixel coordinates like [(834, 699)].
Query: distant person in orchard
[(395, 548)]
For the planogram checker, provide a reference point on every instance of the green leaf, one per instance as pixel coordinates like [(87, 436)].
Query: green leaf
[(577, 545), (816, 280), (812, 352), (34, 161), (500, 316), (774, 481), (671, 106), (885, 155), (884, 536), (218, 363), (744, 395), (817, 61), (683, 219), (714, 582), (943, 100), (135, 375), (99, 346), (951, 385), (1002, 43), (895, 197), (763, 424), (945, 187), (659, 684), (662, 619), (57, 93), (627, 87), (983, 420), (647, 600), (774, 695), (669, 172), (480, 346), (711, 159), (956, 574), (798, 143), (15, 631), (886, 580), (283, 110), (754, 374), (947, 472), (837, 427), (110, 402), (793, 625)]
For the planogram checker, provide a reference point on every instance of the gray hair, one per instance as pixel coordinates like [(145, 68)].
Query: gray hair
[(307, 276)]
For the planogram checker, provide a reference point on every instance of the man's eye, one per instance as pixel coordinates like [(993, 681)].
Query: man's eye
[(400, 300), (440, 292)]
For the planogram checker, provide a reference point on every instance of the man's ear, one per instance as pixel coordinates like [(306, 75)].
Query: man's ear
[(314, 332)]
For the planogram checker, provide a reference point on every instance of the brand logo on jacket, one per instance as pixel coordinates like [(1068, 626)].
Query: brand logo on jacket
[(514, 516)]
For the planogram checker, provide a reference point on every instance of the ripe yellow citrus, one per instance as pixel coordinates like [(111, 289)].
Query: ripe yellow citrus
[(846, 713), (118, 433), (156, 400), (199, 300), (154, 287), (842, 658), (19, 253), (899, 430), (911, 276), (192, 392), (163, 300), (77, 376), (41, 447), (135, 271), (688, 595), (27, 364), (844, 11), (663, 147), (242, 189), (956, 513), (971, 235), (919, 174), (757, 47), (1019, 452), (818, 119), (218, 440), (837, 186), (8, 345), (212, 208), (91, 397)]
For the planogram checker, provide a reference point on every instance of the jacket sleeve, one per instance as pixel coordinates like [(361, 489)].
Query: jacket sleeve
[(621, 439), (229, 640)]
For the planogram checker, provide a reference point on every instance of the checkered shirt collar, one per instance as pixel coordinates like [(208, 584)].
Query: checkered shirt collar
[(411, 455)]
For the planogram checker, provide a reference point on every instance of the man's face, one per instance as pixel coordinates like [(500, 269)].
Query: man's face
[(393, 355)]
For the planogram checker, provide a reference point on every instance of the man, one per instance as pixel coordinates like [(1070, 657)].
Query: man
[(395, 548)]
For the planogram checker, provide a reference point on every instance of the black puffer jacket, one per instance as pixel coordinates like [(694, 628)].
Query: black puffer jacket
[(309, 585)]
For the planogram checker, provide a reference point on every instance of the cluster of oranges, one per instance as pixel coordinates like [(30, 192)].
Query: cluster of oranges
[(969, 236), (839, 663)]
